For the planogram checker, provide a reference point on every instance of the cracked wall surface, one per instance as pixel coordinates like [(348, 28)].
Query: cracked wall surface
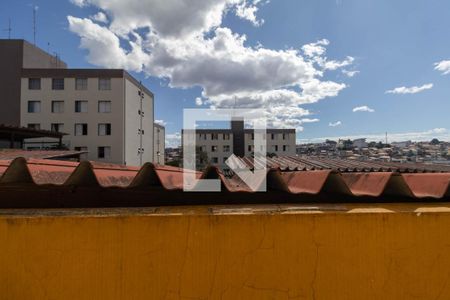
[(390, 252)]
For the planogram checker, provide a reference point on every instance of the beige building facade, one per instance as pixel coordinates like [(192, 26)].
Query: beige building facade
[(160, 144), (105, 112), (219, 144)]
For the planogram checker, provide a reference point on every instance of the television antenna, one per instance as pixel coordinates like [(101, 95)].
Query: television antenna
[(34, 24), (9, 29)]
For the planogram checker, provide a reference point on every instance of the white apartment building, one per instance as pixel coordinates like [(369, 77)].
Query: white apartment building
[(105, 112), (160, 144), (219, 144)]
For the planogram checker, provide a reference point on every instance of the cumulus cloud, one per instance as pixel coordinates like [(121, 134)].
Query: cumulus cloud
[(247, 11), (363, 109), (99, 17), (443, 66), (173, 140), (161, 122), (335, 124), (185, 43), (427, 135), (350, 73), (410, 90)]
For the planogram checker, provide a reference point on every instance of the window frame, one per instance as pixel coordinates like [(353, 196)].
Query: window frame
[(34, 102), (104, 84), (83, 131), (107, 130), (56, 84), (83, 86), (104, 102), (81, 102), (53, 107), (30, 86)]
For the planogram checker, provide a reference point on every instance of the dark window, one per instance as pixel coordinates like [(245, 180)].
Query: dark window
[(213, 148), (57, 107), (34, 83), (34, 126), (81, 106), (214, 136), (57, 127), (104, 152), (34, 106), (104, 84), (272, 136), (104, 106), (104, 129), (214, 160), (81, 84), (58, 84), (81, 129)]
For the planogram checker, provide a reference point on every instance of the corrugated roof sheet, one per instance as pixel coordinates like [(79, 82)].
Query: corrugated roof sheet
[(9, 154), (48, 183), (307, 163)]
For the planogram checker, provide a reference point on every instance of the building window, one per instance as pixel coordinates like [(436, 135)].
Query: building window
[(104, 129), (202, 136), (57, 127), (226, 148), (252, 136), (275, 148), (214, 160), (34, 126), (104, 106), (226, 136), (81, 129), (284, 136), (213, 148), (34, 83), (214, 136), (81, 148), (57, 107), (81, 106), (34, 106), (81, 84), (272, 136), (225, 159), (285, 148), (104, 152), (250, 148), (58, 84), (104, 84)]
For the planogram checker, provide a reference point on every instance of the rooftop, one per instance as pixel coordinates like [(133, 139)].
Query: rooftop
[(56, 184)]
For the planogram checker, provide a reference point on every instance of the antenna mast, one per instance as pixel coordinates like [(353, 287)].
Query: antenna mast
[(9, 29), (34, 25)]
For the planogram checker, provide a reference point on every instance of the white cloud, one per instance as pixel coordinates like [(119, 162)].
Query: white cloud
[(443, 66), (410, 90), (247, 11), (335, 124), (173, 140), (198, 101), (186, 45), (427, 135), (363, 109), (161, 122), (350, 73), (99, 17)]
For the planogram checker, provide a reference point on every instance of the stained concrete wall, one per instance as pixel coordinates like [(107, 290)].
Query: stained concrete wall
[(290, 252)]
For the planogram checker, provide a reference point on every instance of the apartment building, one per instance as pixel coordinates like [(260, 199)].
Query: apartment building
[(106, 112), (219, 144), (160, 144)]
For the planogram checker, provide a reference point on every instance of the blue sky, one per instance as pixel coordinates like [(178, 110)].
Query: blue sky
[(385, 45)]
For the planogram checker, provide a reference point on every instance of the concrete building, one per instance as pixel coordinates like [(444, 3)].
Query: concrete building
[(160, 144), (106, 112), (219, 144)]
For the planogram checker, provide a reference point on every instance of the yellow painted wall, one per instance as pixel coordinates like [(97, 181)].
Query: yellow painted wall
[(388, 252)]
